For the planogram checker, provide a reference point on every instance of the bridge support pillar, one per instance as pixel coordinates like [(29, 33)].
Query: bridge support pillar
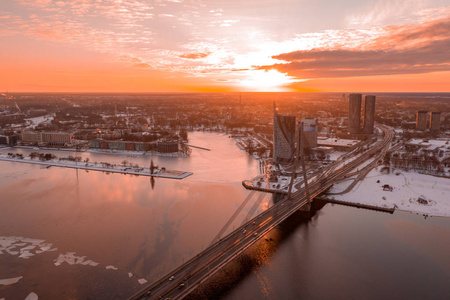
[(306, 207)]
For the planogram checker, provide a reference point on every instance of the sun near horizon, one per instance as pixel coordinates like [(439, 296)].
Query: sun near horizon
[(224, 46)]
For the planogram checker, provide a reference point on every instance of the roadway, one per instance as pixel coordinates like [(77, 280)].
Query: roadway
[(361, 174), (186, 278)]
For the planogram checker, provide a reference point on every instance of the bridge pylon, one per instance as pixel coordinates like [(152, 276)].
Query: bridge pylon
[(298, 153)]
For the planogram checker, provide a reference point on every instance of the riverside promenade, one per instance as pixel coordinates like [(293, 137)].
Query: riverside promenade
[(102, 167)]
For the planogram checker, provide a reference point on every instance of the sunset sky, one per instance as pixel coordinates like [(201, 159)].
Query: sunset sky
[(225, 45)]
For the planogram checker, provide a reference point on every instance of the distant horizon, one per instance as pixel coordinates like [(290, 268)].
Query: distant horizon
[(246, 92), (183, 46)]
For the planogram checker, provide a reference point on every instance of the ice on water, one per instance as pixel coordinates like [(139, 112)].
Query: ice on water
[(26, 247), (9, 281), (23, 247)]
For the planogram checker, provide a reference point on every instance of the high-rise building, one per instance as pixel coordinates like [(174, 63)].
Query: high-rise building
[(310, 132), (354, 113), (283, 137), (435, 121), (421, 120), (10, 140), (369, 114)]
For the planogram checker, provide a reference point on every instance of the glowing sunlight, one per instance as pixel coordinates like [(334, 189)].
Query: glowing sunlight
[(267, 81)]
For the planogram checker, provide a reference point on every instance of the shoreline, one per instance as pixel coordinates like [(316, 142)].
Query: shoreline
[(405, 190), (407, 187), (102, 151), (171, 174), (357, 205)]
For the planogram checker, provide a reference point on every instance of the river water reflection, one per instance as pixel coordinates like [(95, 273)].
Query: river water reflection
[(349, 253), (144, 230), (119, 220)]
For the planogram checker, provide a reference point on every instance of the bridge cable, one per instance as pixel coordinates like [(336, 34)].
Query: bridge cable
[(233, 217), (253, 209)]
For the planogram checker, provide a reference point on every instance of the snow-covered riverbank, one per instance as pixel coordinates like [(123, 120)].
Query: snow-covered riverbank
[(105, 151), (407, 188), (94, 166)]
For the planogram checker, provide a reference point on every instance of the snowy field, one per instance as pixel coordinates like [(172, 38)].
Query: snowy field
[(336, 154), (32, 122), (94, 166), (125, 152), (407, 188)]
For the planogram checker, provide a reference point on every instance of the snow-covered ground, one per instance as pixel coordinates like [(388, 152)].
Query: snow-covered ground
[(430, 144), (129, 152), (37, 120), (282, 185), (94, 166), (107, 151), (242, 142), (336, 154), (407, 188)]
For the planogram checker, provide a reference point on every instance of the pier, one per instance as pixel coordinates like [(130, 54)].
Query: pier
[(163, 173), (197, 147)]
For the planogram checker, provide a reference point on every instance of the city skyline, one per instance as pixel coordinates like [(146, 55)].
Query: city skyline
[(223, 46)]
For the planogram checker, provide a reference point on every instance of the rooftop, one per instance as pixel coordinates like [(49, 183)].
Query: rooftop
[(333, 142), (430, 144)]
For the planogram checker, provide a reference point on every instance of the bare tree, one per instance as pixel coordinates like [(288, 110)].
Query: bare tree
[(152, 167)]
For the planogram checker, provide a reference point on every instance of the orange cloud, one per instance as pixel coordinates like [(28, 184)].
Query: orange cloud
[(425, 82), (423, 49), (198, 43), (195, 55)]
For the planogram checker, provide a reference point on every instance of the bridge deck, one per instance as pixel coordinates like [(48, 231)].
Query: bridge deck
[(180, 282)]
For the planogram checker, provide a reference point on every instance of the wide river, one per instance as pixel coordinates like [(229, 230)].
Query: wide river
[(108, 231)]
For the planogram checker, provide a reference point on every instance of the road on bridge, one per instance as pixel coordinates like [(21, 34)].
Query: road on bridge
[(186, 278)]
